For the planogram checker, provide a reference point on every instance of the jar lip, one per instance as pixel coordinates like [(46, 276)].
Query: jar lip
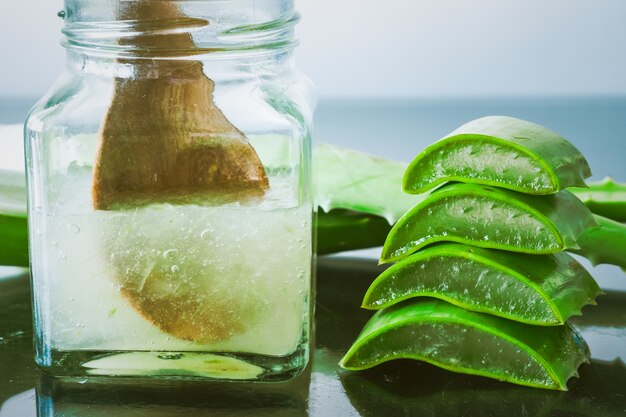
[(106, 35)]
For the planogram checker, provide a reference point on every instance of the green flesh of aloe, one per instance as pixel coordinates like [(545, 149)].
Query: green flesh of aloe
[(468, 342), (487, 217), (535, 289), (500, 151)]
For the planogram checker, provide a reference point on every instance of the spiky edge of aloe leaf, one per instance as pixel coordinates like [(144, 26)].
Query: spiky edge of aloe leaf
[(559, 354)]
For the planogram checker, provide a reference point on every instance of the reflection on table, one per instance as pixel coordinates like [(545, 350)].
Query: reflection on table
[(400, 388), (57, 398)]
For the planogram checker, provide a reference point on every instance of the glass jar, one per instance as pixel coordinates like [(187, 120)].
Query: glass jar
[(170, 203)]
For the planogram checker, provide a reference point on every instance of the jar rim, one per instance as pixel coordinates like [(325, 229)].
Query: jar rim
[(214, 29)]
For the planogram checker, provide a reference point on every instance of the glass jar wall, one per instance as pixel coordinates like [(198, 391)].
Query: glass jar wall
[(169, 193)]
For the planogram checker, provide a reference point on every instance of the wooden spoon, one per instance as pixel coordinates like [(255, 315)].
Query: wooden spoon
[(163, 140)]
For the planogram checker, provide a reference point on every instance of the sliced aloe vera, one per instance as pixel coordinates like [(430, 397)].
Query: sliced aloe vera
[(166, 363), (542, 290), (467, 342), (606, 198), (501, 151), (490, 218)]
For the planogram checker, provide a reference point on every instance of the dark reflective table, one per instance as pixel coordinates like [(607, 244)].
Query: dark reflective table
[(401, 388)]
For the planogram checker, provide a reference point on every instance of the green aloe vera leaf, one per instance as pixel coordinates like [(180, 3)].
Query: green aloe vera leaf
[(341, 230), (487, 217), (13, 224), (352, 180), (605, 243), (606, 198), (500, 151), (543, 290), (468, 342)]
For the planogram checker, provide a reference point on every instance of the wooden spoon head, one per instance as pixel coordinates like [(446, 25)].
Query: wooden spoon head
[(164, 141)]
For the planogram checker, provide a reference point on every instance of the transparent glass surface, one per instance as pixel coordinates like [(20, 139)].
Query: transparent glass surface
[(142, 263)]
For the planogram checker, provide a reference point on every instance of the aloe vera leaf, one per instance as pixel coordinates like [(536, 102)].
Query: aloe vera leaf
[(13, 224), (352, 180), (468, 342), (341, 230), (500, 151), (542, 290), (490, 218), (605, 243), (606, 198)]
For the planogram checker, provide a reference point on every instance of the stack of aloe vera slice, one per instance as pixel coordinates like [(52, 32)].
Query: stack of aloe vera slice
[(481, 283)]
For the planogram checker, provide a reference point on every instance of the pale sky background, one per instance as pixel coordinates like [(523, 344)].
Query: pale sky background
[(397, 48)]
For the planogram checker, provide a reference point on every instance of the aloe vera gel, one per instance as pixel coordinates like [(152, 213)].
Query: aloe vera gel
[(210, 277)]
